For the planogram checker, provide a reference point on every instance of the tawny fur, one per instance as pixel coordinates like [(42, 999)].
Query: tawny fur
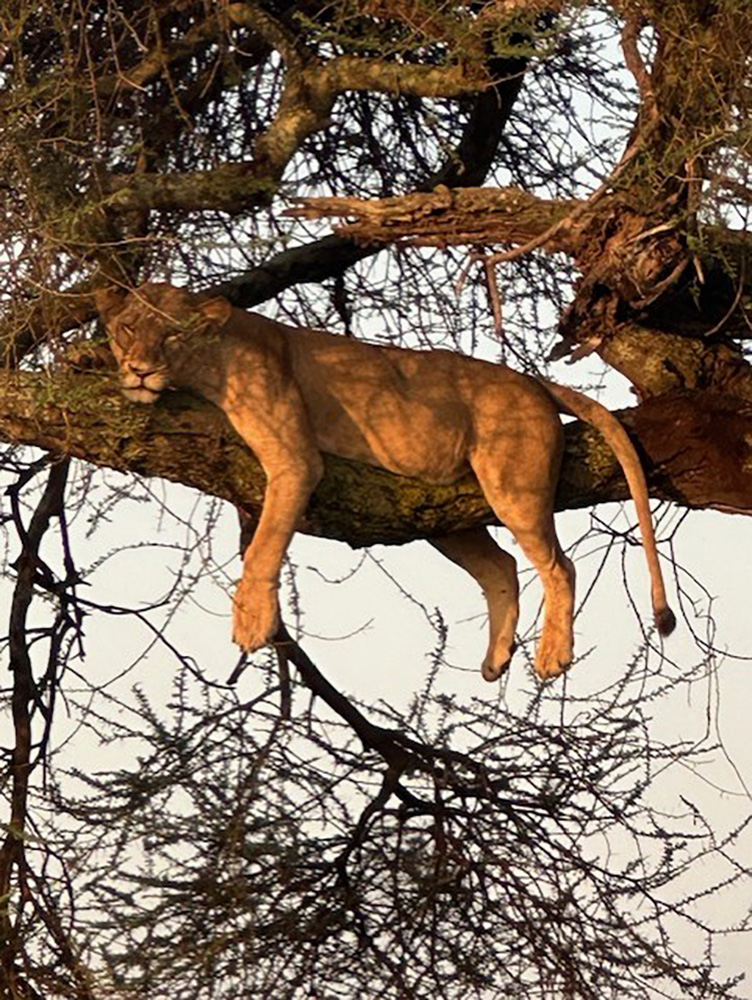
[(293, 393)]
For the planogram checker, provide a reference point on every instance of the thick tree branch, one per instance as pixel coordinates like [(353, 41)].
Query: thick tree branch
[(649, 270), (466, 166), (53, 314), (231, 187), (313, 262), (658, 362), (186, 440), (445, 217), (306, 103)]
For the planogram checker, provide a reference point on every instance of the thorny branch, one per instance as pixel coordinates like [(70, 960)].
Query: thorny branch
[(28, 697)]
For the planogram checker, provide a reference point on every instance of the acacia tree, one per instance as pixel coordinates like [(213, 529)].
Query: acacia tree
[(265, 845)]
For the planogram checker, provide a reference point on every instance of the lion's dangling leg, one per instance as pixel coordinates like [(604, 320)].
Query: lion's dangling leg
[(522, 496), (496, 572), (537, 539)]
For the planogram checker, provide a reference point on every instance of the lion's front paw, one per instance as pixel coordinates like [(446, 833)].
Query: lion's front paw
[(255, 615)]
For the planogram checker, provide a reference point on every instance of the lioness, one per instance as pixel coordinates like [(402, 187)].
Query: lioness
[(294, 393)]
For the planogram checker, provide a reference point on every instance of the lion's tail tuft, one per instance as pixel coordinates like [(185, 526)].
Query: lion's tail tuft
[(665, 620)]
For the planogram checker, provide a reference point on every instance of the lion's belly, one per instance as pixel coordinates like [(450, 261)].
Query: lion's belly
[(435, 455), (406, 437)]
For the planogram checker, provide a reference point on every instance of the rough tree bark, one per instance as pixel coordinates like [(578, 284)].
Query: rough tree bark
[(705, 460)]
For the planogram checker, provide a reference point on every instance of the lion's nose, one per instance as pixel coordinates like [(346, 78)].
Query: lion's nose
[(142, 368)]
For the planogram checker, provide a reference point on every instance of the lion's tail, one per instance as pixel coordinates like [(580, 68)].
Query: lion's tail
[(581, 406)]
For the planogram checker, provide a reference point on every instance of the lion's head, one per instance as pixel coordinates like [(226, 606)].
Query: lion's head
[(153, 333)]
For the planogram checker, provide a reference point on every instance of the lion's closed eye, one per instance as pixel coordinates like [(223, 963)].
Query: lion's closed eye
[(122, 334)]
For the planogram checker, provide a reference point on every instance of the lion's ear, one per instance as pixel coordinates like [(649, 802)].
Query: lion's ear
[(217, 309), (109, 300)]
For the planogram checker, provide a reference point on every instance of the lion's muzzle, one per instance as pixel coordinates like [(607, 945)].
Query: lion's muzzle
[(141, 384)]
